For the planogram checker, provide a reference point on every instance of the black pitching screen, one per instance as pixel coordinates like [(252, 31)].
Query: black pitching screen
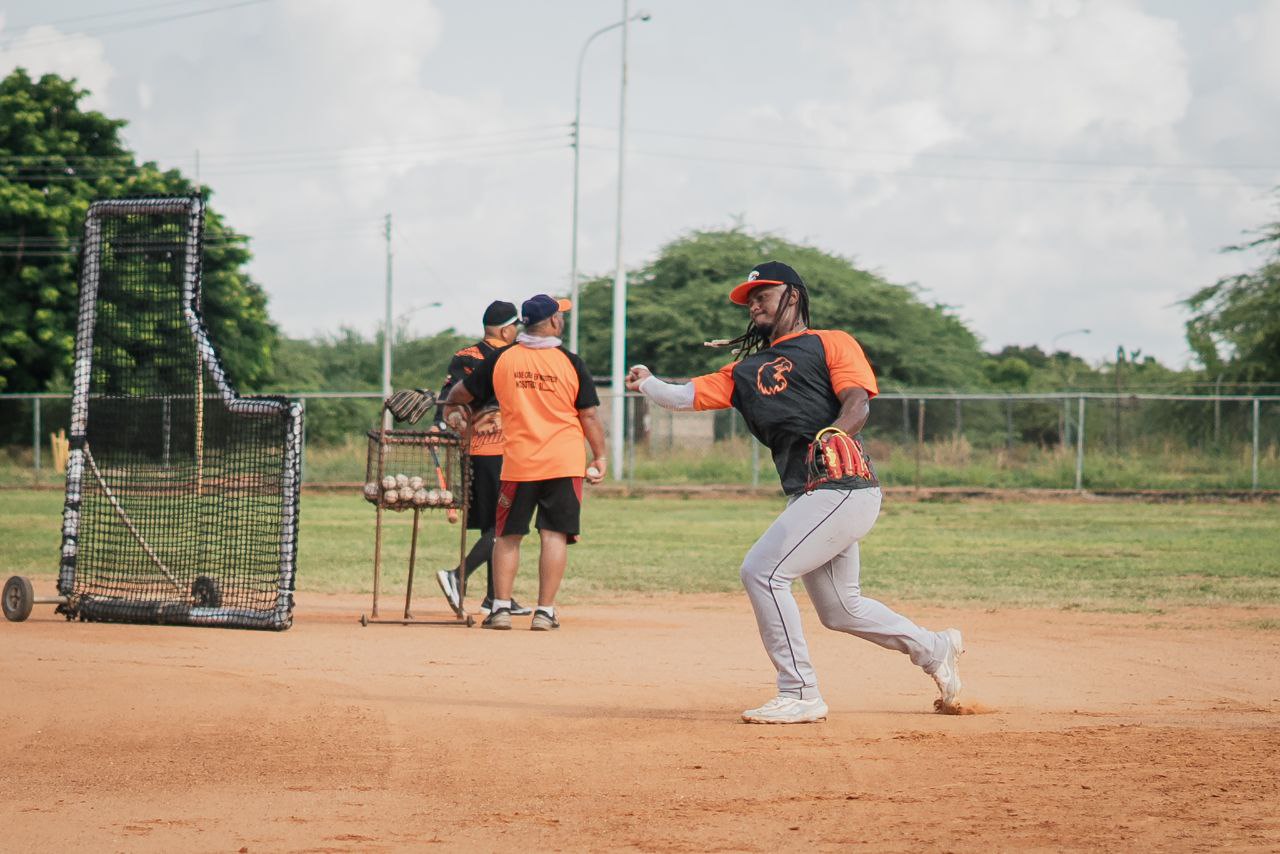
[(182, 496)]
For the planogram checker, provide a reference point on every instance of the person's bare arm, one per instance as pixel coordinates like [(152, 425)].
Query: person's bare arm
[(454, 413), (855, 407), (594, 431)]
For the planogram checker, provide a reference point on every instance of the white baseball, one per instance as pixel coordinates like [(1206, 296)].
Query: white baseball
[(389, 482), (415, 482), (391, 496), (433, 497), (406, 494), (402, 480), (371, 491), (446, 497), (420, 497), (592, 471)]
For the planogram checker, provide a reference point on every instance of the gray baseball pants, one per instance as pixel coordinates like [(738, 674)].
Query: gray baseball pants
[(816, 539)]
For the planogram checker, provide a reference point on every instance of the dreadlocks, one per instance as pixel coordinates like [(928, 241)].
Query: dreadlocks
[(756, 338)]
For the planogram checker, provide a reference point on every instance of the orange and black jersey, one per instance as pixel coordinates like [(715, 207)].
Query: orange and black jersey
[(539, 392), (487, 438), (788, 392)]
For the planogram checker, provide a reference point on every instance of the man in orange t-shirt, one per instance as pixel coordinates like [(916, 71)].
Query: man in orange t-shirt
[(549, 408)]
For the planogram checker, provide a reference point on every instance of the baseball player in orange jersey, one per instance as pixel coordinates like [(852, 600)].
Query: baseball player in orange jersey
[(486, 456), (790, 383), (549, 409)]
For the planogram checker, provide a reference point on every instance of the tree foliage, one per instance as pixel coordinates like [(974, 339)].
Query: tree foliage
[(348, 361), (680, 300), (1235, 324), (56, 158)]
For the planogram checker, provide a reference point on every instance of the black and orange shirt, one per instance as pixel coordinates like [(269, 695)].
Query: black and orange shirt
[(787, 393), (539, 393), (486, 434)]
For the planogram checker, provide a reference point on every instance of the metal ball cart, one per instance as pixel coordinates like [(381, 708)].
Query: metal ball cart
[(411, 470)]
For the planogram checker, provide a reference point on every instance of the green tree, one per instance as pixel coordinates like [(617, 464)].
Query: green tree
[(1234, 329), (56, 158), (680, 300), (348, 361)]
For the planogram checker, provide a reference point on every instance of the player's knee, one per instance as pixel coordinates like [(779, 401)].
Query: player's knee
[(762, 574), (753, 573)]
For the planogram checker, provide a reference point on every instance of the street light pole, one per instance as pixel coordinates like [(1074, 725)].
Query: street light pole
[(618, 410), (386, 332), (577, 160)]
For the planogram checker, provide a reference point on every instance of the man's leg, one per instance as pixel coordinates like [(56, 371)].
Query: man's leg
[(836, 593), (506, 560), (551, 566), (480, 553), (515, 507), (813, 529)]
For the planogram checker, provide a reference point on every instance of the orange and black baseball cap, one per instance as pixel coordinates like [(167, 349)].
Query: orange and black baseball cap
[(768, 273), (538, 308)]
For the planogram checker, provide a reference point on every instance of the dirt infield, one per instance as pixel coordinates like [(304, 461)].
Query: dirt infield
[(621, 731)]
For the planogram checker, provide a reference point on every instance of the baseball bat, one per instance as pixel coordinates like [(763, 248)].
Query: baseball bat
[(444, 485)]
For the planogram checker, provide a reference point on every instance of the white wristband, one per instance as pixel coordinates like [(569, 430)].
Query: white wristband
[(668, 396)]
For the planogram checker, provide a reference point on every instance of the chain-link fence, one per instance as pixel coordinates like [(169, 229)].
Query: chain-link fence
[(1056, 441)]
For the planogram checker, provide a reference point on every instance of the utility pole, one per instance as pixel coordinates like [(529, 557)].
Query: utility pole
[(386, 331), (619, 410), (1119, 365)]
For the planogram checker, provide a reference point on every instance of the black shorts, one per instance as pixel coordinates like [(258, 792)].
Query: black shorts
[(558, 501), (486, 472)]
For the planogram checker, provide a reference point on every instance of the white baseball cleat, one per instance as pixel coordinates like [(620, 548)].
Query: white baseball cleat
[(948, 673), (787, 710)]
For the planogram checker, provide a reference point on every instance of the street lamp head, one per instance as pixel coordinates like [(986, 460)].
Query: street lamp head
[(642, 15)]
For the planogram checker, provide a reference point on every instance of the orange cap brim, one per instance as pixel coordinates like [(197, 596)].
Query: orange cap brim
[(564, 304), (741, 292)]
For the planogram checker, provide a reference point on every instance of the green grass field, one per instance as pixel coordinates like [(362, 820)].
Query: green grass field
[(1103, 555)]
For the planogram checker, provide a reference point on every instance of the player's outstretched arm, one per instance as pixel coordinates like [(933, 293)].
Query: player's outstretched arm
[(678, 396)]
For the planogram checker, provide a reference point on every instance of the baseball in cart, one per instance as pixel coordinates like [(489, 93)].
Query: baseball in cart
[(415, 471)]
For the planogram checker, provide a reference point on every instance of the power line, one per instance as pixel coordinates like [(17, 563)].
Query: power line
[(116, 28), (907, 173), (301, 162), (114, 13), (984, 158)]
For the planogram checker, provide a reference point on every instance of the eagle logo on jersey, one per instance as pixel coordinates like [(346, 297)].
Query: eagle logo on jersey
[(772, 376)]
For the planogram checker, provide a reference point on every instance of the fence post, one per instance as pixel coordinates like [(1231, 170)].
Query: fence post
[(906, 419), (1256, 425), (1080, 446), (302, 451), (755, 463), (35, 432), (919, 437), (1008, 424), (629, 410)]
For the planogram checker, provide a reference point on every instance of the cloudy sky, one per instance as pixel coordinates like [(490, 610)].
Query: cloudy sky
[(1042, 167)]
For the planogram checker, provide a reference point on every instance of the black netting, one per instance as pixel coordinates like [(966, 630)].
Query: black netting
[(182, 497)]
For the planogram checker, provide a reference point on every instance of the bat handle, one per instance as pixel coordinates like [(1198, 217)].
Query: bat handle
[(453, 513)]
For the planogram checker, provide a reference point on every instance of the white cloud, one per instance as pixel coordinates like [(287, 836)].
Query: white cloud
[(43, 50)]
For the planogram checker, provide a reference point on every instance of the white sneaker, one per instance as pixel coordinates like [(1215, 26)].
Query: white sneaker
[(787, 710), (448, 582), (948, 673)]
